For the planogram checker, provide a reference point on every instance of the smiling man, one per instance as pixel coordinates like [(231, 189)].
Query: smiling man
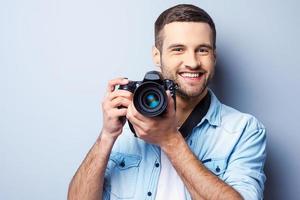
[(204, 150)]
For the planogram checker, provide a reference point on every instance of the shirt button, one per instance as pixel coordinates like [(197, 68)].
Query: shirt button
[(218, 169), (149, 193), (122, 164), (156, 164)]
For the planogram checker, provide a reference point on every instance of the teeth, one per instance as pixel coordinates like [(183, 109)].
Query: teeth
[(190, 75)]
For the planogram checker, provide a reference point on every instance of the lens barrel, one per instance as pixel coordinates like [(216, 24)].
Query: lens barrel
[(150, 99)]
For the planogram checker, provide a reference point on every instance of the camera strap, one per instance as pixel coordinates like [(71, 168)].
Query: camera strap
[(196, 116)]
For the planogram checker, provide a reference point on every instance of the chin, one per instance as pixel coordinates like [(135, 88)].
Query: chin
[(190, 94)]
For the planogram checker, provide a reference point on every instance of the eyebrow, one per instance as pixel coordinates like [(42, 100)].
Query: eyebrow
[(176, 45), (205, 45)]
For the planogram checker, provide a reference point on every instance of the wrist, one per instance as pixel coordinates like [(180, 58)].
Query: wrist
[(177, 149), (106, 140), (104, 145), (171, 142), (107, 137)]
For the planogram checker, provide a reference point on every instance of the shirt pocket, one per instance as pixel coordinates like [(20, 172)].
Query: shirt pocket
[(124, 170), (216, 165)]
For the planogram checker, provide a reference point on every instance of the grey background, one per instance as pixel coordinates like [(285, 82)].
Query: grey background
[(57, 56)]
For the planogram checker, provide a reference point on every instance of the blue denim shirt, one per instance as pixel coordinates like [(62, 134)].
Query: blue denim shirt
[(229, 143)]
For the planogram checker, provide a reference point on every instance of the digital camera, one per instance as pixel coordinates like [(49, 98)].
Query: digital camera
[(149, 96)]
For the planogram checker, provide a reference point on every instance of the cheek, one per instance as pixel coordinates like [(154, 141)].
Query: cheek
[(209, 65), (171, 63)]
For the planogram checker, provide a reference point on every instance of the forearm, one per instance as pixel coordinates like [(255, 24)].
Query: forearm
[(200, 182), (88, 181)]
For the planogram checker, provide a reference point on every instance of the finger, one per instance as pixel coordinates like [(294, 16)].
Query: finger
[(120, 102), (137, 127), (117, 81), (136, 113), (117, 103), (134, 117), (119, 112), (120, 93), (115, 113)]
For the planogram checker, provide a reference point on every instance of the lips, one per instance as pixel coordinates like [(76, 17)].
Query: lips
[(191, 75)]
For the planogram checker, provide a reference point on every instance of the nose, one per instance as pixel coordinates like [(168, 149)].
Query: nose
[(190, 60)]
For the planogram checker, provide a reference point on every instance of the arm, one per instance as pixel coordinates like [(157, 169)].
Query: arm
[(162, 131), (245, 166), (88, 181), (200, 182)]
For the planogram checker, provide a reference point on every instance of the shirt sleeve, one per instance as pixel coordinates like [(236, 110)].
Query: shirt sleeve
[(106, 184), (246, 163), (106, 190)]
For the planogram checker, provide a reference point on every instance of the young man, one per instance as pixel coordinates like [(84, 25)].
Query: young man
[(204, 150)]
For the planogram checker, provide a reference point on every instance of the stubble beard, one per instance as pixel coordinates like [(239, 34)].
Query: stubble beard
[(187, 93), (183, 91)]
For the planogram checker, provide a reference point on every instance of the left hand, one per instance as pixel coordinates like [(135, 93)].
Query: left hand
[(156, 130)]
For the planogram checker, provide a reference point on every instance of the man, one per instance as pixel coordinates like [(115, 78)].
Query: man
[(204, 150)]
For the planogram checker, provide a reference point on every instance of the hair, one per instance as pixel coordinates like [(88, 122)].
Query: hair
[(181, 13)]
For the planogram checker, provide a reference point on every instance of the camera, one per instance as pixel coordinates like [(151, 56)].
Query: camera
[(149, 96)]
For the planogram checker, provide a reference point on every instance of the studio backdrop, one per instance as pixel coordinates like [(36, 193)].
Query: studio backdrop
[(56, 58)]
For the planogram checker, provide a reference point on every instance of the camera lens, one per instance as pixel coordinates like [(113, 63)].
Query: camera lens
[(150, 99)]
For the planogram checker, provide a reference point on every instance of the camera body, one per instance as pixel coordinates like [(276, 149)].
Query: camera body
[(149, 96)]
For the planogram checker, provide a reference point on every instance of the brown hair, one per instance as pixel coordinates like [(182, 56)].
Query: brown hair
[(182, 13)]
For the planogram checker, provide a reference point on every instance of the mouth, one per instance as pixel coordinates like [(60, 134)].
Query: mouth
[(191, 75)]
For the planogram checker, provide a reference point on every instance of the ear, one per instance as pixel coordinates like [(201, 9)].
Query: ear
[(156, 56)]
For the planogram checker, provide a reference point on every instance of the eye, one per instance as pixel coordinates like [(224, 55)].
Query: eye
[(203, 50), (178, 49)]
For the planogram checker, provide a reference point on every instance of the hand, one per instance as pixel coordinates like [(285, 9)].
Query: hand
[(114, 107), (156, 130)]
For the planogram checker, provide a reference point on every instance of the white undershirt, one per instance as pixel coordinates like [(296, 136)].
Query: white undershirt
[(170, 186)]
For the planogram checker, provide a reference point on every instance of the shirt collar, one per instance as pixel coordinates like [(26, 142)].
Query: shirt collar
[(207, 109), (213, 115)]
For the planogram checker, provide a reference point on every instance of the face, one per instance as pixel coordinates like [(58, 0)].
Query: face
[(187, 56)]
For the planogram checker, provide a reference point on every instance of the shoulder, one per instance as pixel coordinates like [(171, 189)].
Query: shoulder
[(231, 119), (237, 121), (244, 129)]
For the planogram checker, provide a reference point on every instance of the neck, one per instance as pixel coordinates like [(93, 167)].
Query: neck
[(184, 106)]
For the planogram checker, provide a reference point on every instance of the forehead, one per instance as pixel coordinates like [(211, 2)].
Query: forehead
[(187, 33)]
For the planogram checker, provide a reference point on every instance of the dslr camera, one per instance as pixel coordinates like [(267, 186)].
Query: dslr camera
[(149, 95)]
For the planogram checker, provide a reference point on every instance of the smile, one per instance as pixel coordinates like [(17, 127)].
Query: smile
[(190, 75)]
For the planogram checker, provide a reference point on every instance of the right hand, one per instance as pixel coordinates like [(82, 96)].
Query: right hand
[(114, 108)]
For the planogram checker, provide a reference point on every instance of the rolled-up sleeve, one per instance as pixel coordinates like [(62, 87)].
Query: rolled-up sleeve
[(246, 163)]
